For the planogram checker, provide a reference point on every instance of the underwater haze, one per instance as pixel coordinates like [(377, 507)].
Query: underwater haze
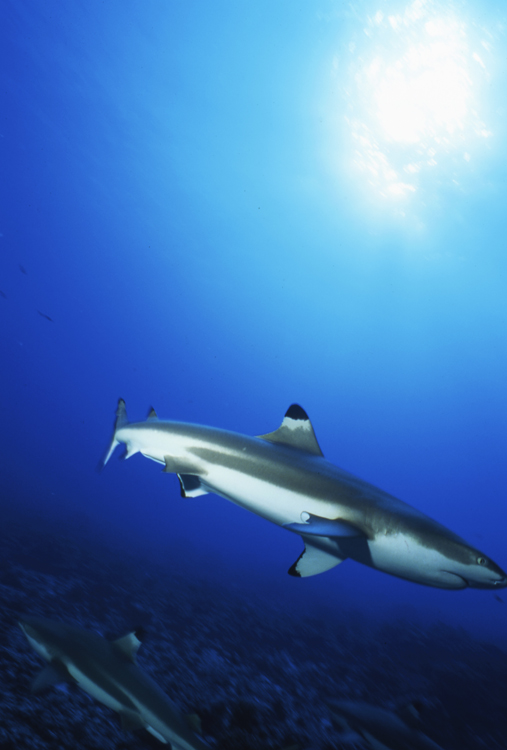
[(218, 210)]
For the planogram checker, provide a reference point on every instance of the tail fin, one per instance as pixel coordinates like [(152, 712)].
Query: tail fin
[(121, 421)]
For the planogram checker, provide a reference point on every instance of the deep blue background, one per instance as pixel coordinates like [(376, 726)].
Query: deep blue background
[(167, 192)]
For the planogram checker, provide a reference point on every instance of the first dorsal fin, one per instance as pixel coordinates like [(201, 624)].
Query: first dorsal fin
[(296, 431), (128, 645), (152, 415)]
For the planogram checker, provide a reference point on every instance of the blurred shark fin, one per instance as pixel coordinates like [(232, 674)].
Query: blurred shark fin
[(152, 415), (296, 431), (121, 421), (128, 645), (312, 561), (53, 674), (194, 722), (121, 415), (130, 720)]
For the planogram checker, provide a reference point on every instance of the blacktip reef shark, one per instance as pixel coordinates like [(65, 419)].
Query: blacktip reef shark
[(382, 729), (107, 670), (284, 477)]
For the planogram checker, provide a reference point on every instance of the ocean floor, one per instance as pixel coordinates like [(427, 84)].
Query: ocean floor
[(259, 676)]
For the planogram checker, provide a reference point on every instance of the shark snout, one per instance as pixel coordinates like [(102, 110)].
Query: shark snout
[(498, 583), (496, 580)]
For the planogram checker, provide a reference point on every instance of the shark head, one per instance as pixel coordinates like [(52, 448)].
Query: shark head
[(479, 572), (460, 564), (439, 557)]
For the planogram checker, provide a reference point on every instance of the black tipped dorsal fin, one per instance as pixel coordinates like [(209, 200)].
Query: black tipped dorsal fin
[(152, 414), (128, 645), (296, 431)]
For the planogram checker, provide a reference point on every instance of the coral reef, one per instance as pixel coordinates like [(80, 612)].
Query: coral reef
[(258, 676)]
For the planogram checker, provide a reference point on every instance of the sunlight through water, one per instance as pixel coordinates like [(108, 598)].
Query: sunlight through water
[(414, 97)]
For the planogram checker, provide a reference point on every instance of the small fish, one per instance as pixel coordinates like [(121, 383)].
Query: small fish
[(3, 294), (43, 315), (23, 269), (499, 598)]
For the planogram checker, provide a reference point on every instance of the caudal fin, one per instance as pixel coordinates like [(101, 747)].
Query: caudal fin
[(121, 421)]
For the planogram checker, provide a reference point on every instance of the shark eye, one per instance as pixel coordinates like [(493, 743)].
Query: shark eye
[(482, 561)]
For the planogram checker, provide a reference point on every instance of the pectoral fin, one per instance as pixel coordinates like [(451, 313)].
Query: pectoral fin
[(54, 674), (312, 561), (317, 526)]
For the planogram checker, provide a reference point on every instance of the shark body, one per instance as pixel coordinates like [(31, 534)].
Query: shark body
[(107, 670), (381, 729), (284, 477)]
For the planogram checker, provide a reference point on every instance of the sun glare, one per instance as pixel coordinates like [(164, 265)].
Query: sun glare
[(414, 96)]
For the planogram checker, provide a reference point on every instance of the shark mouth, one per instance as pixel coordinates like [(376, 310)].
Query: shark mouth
[(499, 583), (456, 581)]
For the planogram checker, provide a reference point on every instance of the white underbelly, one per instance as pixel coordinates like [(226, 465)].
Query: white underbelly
[(401, 555), (93, 689), (277, 504)]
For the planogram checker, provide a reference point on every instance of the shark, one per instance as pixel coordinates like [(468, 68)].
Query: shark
[(382, 729), (283, 477), (108, 671)]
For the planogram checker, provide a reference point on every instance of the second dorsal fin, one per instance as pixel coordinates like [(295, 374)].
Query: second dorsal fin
[(296, 431)]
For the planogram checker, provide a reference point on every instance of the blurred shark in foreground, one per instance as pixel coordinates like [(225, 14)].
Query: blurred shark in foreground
[(381, 729), (284, 477), (107, 671)]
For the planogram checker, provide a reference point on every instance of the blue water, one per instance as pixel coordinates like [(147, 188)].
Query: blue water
[(180, 199)]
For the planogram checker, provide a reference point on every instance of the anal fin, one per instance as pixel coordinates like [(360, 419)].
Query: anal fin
[(313, 560), (191, 486)]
